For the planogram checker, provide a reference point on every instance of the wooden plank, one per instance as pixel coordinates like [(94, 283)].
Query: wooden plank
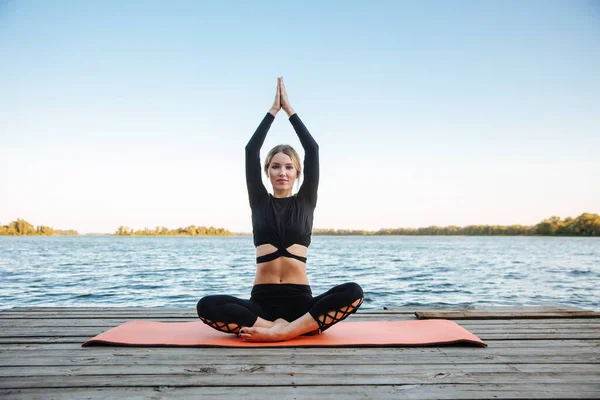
[(74, 350), (136, 310), (485, 337), (112, 322), (587, 331), (24, 354), (192, 310), (38, 323), (501, 344), (153, 316), (313, 368), (382, 356), (132, 315), (505, 315), (77, 330), (411, 391), (536, 321), (96, 309), (106, 320), (484, 308), (384, 310), (162, 310), (191, 315), (298, 375)]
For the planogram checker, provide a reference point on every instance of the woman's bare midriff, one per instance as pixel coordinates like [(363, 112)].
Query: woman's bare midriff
[(282, 269)]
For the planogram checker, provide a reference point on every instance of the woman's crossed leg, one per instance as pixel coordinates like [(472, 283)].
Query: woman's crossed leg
[(325, 311), (228, 313)]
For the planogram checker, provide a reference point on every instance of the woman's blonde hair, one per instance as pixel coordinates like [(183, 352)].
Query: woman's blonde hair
[(287, 150)]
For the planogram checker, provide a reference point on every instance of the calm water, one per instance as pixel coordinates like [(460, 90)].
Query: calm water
[(393, 271)]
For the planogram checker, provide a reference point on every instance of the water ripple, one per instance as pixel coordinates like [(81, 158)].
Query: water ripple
[(393, 271)]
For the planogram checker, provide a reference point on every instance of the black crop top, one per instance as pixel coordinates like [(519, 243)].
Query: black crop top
[(282, 222)]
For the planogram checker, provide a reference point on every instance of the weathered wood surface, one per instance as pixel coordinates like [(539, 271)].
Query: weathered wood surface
[(546, 357), (506, 314), (416, 391)]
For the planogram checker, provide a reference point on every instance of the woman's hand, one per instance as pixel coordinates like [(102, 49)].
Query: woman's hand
[(277, 103), (285, 102)]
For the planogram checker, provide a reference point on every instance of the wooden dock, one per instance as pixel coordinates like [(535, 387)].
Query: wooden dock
[(534, 352)]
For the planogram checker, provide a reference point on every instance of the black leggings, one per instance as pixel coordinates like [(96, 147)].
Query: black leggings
[(285, 300)]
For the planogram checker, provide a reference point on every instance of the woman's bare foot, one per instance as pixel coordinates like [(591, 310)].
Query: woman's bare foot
[(259, 334), (281, 330), (272, 334)]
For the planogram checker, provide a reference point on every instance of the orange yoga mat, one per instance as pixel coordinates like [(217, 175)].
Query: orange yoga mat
[(343, 334)]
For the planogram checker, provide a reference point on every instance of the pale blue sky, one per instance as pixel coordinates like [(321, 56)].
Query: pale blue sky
[(437, 112)]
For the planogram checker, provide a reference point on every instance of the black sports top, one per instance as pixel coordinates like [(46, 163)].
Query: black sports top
[(282, 222)]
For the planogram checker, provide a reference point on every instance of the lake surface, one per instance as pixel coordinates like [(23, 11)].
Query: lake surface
[(393, 271)]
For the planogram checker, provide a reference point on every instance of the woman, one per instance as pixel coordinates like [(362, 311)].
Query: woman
[(281, 306)]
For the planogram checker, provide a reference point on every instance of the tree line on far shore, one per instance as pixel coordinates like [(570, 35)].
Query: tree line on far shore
[(20, 227), (584, 225), (191, 230)]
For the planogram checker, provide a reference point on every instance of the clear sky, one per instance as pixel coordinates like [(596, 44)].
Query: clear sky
[(427, 112)]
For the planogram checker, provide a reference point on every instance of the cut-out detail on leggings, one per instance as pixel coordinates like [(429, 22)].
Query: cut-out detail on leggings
[(223, 327), (350, 309)]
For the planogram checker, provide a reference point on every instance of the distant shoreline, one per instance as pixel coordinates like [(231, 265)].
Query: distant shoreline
[(314, 234), (586, 225), (362, 236)]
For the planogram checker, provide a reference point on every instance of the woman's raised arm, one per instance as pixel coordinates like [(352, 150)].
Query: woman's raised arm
[(310, 185), (256, 189)]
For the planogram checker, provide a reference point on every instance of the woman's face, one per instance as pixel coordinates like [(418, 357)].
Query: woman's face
[(282, 172)]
